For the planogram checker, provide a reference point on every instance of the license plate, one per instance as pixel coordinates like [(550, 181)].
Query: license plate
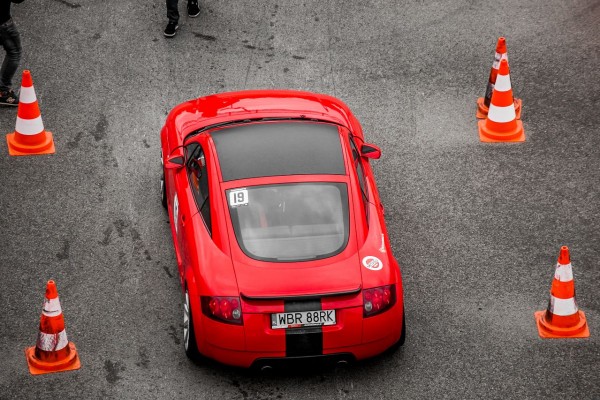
[(299, 319)]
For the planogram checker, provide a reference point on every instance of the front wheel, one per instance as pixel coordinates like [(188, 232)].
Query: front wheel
[(163, 191), (189, 337)]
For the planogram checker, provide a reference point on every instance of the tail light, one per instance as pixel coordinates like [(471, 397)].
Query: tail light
[(379, 299), (224, 309)]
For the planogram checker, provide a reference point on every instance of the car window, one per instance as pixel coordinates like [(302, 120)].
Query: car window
[(278, 149), (290, 222), (198, 177), (361, 177)]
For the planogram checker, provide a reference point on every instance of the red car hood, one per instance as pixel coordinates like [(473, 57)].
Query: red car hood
[(277, 280)]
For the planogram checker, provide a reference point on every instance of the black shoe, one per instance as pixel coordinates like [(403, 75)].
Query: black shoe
[(9, 98), (171, 29), (193, 9)]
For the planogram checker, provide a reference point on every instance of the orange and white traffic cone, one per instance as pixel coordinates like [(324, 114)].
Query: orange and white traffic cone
[(483, 103), (52, 352), (501, 124), (29, 137), (562, 318)]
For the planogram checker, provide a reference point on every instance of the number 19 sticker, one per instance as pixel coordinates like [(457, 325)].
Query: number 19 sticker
[(238, 197)]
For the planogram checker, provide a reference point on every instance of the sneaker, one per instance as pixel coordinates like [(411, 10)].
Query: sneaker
[(9, 98), (193, 9), (171, 29)]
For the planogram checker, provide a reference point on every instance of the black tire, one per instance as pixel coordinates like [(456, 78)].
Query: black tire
[(189, 337), (403, 334), (163, 190)]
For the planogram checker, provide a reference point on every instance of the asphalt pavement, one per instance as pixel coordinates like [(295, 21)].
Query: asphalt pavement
[(476, 227)]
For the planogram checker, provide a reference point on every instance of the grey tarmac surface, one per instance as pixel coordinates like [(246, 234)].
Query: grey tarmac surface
[(476, 227)]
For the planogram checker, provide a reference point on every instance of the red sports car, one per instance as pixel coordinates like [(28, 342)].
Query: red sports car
[(279, 234)]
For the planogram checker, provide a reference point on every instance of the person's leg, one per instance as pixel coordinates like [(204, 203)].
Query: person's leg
[(173, 15), (172, 11), (11, 41)]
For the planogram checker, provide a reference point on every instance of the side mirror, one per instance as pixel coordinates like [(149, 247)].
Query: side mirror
[(174, 162), (370, 151)]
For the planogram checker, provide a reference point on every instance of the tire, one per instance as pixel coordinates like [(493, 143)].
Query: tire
[(403, 334), (402, 339), (189, 338), (163, 191)]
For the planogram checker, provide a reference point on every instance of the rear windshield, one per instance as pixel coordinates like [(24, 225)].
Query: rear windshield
[(278, 148), (290, 222)]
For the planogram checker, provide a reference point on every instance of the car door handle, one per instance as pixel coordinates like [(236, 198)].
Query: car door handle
[(182, 219)]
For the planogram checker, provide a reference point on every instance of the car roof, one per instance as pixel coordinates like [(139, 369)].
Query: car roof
[(278, 148)]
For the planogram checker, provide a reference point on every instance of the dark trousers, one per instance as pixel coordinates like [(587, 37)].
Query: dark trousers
[(172, 11), (11, 41)]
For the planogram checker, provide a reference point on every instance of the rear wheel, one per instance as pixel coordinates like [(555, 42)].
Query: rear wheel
[(189, 337), (403, 334)]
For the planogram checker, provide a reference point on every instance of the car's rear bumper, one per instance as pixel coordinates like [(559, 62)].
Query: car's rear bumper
[(253, 345), (248, 359)]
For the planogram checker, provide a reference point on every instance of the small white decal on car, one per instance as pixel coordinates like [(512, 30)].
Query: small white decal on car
[(373, 263), (382, 248), (238, 197)]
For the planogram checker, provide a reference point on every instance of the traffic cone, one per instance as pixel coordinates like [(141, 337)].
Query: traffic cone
[(501, 124), (483, 103), (52, 352), (29, 137), (562, 319)]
